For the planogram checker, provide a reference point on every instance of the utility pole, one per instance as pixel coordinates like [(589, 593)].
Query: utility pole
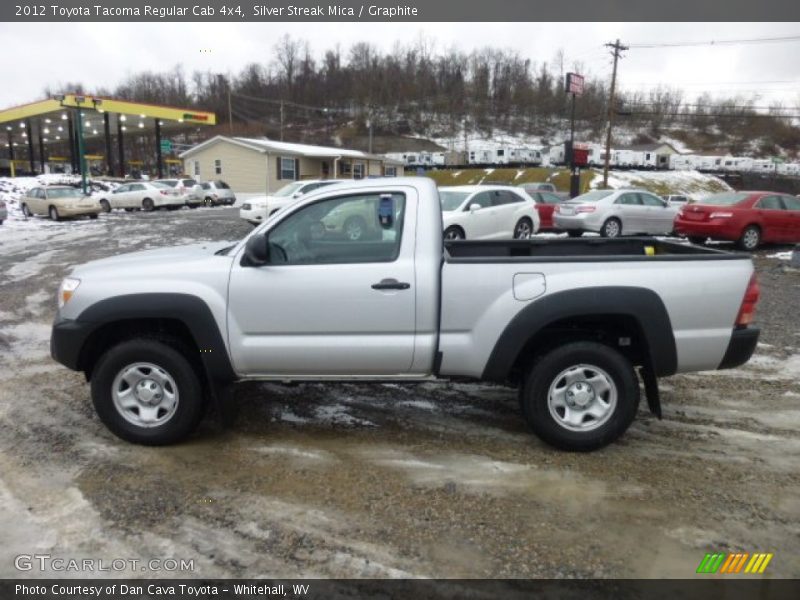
[(281, 120), (369, 126), (466, 145), (230, 109), (617, 50)]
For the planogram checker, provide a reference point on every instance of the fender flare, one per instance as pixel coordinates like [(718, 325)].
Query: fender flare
[(643, 305), (189, 310)]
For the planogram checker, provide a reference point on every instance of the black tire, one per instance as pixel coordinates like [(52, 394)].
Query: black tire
[(148, 204), (355, 229), (53, 213), (585, 358), (574, 233), (454, 233), (208, 202), (190, 402), (523, 230), (106, 206), (92, 215), (612, 228), (26, 211), (699, 241), (750, 238)]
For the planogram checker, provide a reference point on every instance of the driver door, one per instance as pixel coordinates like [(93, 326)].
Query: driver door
[(325, 304)]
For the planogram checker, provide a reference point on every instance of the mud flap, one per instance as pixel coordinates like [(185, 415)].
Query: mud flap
[(221, 395), (651, 390)]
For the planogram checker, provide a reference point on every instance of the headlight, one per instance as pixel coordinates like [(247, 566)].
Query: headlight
[(66, 290)]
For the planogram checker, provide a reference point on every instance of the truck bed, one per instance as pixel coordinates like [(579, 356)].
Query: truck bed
[(590, 249)]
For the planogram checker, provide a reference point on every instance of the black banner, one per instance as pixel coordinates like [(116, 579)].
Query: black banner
[(402, 11), (515, 589)]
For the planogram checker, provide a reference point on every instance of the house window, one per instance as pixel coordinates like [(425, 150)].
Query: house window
[(390, 171), (217, 167), (196, 168), (345, 169), (358, 171), (288, 170)]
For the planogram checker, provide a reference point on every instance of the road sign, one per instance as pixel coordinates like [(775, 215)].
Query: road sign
[(166, 146), (574, 84)]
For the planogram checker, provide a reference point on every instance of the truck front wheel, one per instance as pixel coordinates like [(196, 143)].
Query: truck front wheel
[(147, 392), (580, 396)]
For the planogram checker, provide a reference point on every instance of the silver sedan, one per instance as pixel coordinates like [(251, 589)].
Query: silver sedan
[(612, 213)]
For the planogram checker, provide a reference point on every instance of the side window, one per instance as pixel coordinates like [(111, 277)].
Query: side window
[(217, 167), (512, 198), (499, 198), (791, 203), (138, 187), (340, 231), (122, 189), (482, 199), (649, 200), (770, 203)]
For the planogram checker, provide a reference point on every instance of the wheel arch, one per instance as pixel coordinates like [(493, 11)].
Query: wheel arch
[(633, 320), (180, 318)]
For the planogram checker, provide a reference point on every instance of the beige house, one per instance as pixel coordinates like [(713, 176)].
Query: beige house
[(260, 165)]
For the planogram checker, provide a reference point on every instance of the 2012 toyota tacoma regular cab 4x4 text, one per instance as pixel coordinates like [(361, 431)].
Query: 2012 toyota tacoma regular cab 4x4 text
[(161, 332)]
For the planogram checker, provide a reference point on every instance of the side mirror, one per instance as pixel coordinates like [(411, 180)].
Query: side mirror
[(296, 195), (474, 207), (256, 251)]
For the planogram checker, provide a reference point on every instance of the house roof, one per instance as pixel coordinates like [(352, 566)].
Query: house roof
[(265, 145), (648, 147)]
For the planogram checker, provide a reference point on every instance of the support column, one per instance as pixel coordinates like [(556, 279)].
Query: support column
[(120, 148), (41, 148), (72, 154), (107, 131), (158, 149), (29, 131), (10, 146)]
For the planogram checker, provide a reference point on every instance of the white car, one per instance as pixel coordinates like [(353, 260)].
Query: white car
[(257, 210), (146, 195), (189, 188), (214, 193), (479, 212)]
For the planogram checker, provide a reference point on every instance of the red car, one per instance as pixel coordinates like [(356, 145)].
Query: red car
[(747, 218), (545, 203)]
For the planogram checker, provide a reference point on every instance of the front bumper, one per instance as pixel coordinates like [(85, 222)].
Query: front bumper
[(67, 339), (77, 211), (740, 348), (253, 215)]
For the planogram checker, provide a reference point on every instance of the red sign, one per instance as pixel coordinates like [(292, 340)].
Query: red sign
[(574, 84), (580, 156)]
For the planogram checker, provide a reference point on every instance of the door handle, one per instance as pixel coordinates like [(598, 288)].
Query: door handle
[(390, 284)]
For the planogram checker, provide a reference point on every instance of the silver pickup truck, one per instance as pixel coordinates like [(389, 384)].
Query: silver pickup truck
[(162, 332)]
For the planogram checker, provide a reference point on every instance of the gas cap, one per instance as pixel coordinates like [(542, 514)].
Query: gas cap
[(528, 286)]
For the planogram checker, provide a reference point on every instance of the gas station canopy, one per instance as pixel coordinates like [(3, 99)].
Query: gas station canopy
[(54, 121)]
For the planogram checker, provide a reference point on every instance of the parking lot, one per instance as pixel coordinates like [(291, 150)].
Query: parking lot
[(418, 480)]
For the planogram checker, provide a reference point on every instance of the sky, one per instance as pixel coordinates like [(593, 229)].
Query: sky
[(103, 54)]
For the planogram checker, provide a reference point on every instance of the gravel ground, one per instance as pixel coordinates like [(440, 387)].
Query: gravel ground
[(434, 479)]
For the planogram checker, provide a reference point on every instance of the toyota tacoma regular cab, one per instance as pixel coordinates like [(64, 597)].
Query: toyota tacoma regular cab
[(574, 324)]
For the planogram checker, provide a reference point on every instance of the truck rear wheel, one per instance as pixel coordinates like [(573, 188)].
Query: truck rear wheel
[(147, 392), (580, 396)]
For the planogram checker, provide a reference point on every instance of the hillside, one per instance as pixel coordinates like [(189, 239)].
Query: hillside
[(690, 183)]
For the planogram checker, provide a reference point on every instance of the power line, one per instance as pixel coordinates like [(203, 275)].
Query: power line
[(766, 40)]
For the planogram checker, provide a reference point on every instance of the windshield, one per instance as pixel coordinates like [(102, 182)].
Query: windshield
[(593, 196), (64, 193), (289, 189), (724, 199), (222, 185), (452, 200), (168, 182)]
